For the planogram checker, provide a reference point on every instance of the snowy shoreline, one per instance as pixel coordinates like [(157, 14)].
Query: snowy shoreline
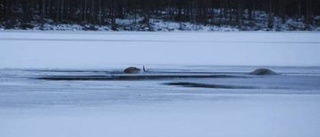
[(158, 25)]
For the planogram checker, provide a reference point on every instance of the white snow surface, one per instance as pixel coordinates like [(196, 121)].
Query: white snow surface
[(31, 107), (37, 49)]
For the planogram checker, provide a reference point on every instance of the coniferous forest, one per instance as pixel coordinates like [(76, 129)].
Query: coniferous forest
[(274, 15)]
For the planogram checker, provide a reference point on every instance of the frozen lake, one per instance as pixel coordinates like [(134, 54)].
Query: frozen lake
[(188, 91), (109, 49)]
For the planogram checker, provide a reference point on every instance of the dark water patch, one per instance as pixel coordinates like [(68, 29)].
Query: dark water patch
[(118, 71), (75, 71), (197, 72), (128, 77), (201, 85)]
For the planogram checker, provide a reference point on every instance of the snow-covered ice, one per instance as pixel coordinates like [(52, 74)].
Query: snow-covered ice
[(285, 105), (97, 49)]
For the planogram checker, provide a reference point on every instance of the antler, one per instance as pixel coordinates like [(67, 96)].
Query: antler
[(144, 69)]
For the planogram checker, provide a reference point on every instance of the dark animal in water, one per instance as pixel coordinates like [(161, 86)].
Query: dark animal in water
[(132, 70), (263, 71)]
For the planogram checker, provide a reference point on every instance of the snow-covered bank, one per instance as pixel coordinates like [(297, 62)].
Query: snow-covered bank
[(126, 25), (158, 25), (28, 49)]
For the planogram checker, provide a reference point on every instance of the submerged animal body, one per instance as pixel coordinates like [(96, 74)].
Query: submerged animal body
[(132, 70), (263, 71)]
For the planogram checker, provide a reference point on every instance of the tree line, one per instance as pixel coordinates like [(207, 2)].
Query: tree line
[(105, 12)]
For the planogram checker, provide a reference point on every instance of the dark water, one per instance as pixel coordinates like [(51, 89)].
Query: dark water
[(47, 87)]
